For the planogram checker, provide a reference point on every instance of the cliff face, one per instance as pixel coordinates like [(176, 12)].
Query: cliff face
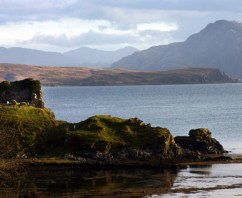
[(28, 91)]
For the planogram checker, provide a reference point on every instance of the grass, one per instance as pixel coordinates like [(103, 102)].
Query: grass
[(20, 127), (34, 131), (104, 132)]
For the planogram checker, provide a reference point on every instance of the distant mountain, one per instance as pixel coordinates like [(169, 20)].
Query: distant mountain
[(80, 57), (19, 55), (219, 45), (94, 58), (77, 76)]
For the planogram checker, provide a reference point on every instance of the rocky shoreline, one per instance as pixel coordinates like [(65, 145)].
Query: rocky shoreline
[(198, 147)]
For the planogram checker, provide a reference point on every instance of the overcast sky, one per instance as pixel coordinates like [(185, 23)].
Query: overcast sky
[(61, 25)]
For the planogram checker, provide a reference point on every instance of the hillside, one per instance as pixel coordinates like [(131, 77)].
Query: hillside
[(219, 45), (76, 76), (87, 57)]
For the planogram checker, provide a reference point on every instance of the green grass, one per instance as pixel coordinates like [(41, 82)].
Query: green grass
[(21, 125), (27, 129), (105, 132)]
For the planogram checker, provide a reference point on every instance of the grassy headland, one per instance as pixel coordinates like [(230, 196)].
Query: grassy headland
[(30, 132), (79, 76)]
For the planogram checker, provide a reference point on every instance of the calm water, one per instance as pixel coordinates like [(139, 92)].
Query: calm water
[(215, 181), (177, 107)]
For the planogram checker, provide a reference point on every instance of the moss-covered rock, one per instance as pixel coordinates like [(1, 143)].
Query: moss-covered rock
[(200, 134), (30, 131), (34, 131), (198, 143), (111, 135)]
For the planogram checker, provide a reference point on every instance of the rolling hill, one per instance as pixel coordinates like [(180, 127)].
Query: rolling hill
[(76, 76)]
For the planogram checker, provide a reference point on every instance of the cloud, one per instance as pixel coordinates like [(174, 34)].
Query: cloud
[(82, 22), (163, 27), (204, 5), (75, 33), (89, 38), (20, 31), (105, 9)]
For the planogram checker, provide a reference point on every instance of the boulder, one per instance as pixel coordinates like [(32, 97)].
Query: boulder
[(199, 142), (200, 134)]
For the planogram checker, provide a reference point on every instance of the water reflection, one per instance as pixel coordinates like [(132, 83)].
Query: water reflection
[(217, 180), (91, 183), (200, 169)]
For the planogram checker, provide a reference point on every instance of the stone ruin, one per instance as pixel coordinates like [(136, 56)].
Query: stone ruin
[(23, 92)]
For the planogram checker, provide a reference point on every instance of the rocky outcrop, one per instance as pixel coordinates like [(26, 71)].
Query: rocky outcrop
[(199, 144), (147, 146), (26, 91), (110, 140), (100, 140)]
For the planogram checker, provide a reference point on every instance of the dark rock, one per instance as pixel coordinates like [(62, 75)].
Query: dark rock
[(199, 142)]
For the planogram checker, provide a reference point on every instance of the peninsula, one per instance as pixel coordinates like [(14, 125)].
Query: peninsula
[(76, 76)]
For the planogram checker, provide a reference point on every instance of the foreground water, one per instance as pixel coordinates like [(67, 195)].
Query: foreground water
[(179, 108), (216, 180)]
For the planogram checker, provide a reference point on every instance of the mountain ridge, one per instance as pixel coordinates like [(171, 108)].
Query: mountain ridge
[(97, 57), (19, 55), (218, 45)]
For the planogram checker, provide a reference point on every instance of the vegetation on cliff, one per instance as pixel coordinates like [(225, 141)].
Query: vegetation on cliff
[(34, 131), (27, 131), (106, 133), (20, 126)]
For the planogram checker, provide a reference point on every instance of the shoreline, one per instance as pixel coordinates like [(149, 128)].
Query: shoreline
[(66, 163)]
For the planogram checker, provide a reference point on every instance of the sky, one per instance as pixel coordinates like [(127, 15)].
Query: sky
[(62, 25)]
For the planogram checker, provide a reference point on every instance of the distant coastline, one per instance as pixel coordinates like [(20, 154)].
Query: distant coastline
[(78, 76)]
